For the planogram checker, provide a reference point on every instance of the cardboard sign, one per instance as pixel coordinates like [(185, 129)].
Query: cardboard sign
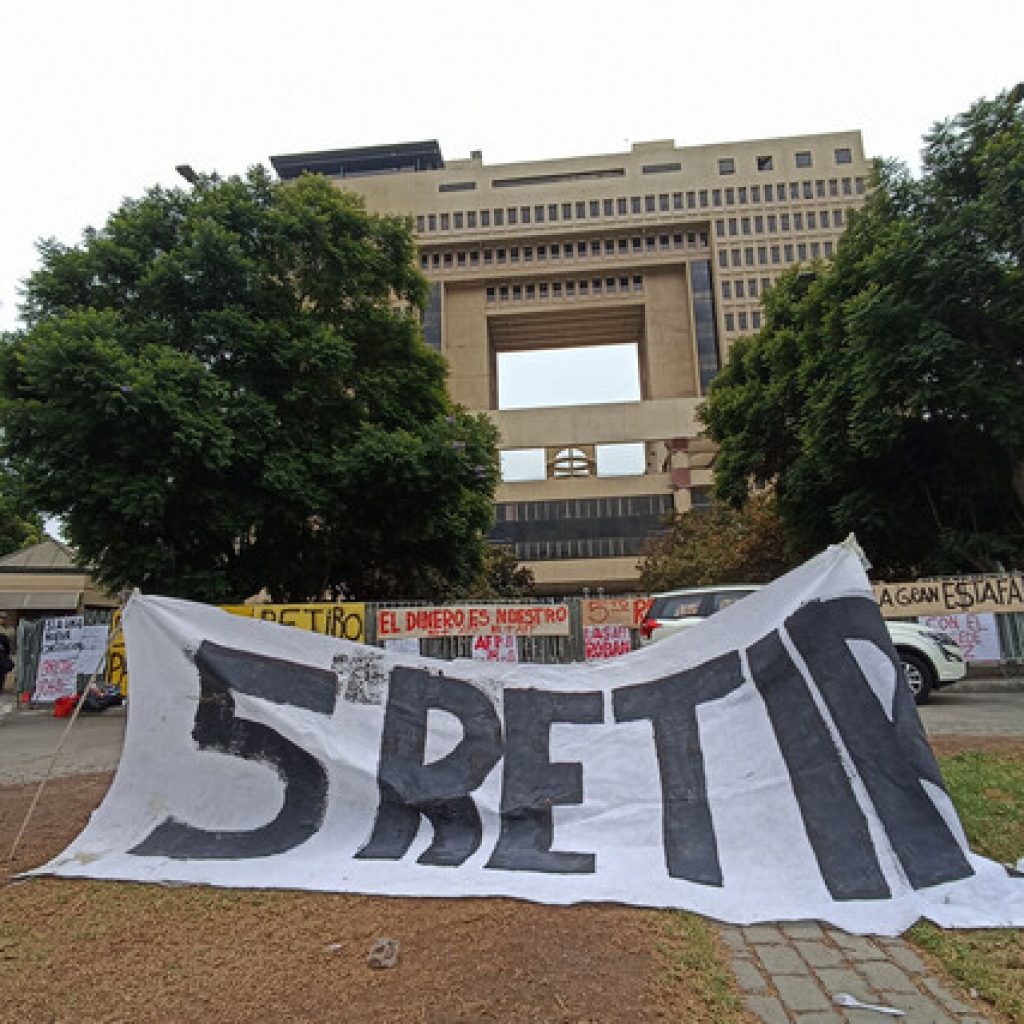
[(951, 596), (615, 611), (57, 670), (768, 764), (499, 647)]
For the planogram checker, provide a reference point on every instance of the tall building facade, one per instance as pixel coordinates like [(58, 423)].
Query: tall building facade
[(664, 252)]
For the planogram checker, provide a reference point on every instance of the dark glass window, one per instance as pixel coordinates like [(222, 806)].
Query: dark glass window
[(708, 355), (843, 156), (803, 158)]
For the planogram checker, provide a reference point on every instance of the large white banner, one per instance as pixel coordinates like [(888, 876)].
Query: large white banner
[(767, 764)]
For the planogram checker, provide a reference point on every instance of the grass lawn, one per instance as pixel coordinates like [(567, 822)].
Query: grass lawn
[(988, 790)]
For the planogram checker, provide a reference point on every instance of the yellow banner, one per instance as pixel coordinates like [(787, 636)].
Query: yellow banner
[(346, 620), (473, 620)]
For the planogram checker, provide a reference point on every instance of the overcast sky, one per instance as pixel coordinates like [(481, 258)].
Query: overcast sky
[(102, 99)]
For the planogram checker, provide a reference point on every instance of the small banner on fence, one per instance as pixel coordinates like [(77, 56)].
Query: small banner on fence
[(500, 647), (606, 642), (615, 611), (57, 671), (767, 764), (474, 620), (952, 596), (977, 635)]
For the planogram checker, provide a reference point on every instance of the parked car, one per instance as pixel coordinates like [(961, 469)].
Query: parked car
[(930, 659)]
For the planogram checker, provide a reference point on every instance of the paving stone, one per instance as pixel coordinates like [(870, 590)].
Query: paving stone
[(767, 1009), (919, 1009), (857, 947), (763, 933), (801, 994), (802, 929), (732, 939), (886, 977), (900, 953), (780, 960), (748, 977), (844, 979), (820, 1017), (945, 997), (817, 954)]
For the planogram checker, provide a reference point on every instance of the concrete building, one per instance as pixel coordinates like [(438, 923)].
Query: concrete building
[(663, 251)]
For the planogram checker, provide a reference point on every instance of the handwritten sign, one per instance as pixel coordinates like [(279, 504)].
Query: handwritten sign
[(977, 635), (951, 596), (606, 642), (474, 620), (615, 611), (497, 647)]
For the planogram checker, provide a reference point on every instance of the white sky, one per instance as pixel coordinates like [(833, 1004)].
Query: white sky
[(101, 99)]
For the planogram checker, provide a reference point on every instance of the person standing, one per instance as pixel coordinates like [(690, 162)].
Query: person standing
[(6, 661)]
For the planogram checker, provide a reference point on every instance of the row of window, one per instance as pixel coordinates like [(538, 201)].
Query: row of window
[(582, 547), (762, 255), (802, 158), (758, 223), (624, 206), (580, 249), (542, 291), (750, 288), (583, 508), (738, 322)]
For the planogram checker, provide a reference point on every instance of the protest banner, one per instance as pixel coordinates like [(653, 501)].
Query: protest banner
[(606, 642), (498, 647), (615, 611), (952, 596), (768, 764), (977, 635), (57, 670), (474, 620)]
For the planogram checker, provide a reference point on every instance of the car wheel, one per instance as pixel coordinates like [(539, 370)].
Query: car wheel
[(918, 674)]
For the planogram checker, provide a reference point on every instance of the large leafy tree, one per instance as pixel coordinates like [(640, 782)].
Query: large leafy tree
[(720, 544), (885, 394), (226, 388), (20, 526)]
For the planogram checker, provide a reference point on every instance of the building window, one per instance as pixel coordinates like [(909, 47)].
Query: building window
[(485, 218), (726, 290), (742, 321), (499, 218), (861, 187), (727, 165), (566, 211), (581, 211), (730, 322), (421, 223), (621, 206), (828, 250), (732, 225), (691, 200), (609, 207), (649, 206), (730, 197), (803, 158), (765, 163), (785, 221), (808, 190), (812, 220), (776, 254), (739, 290), (837, 218), (745, 225), (794, 190), (513, 215), (762, 254), (716, 197), (819, 188), (471, 219), (798, 222), (847, 189), (844, 156), (444, 221), (457, 221), (702, 195), (720, 228), (663, 202), (773, 223), (759, 225), (447, 261), (755, 193), (595, 208), (723, 258), (755, 320), (432, 222), (634, 204)]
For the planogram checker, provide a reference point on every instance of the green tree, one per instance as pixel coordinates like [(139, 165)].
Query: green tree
[(19, 525), (227, 388), (720, 544), (503, 577), (885, 394)]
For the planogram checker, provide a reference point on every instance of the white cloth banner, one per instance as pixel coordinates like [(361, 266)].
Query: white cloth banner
[(764, 765), (59, 653), (976, 634)]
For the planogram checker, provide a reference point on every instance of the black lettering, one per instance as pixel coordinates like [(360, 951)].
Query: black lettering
[(836, 827), (532, 784), (892, 757), (438, 791), (691, 851), (222, 672)]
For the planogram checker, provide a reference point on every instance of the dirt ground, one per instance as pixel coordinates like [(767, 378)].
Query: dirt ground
[(85, 951)]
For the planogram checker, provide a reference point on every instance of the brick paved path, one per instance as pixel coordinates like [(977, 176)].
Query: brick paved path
[(788, 974)]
